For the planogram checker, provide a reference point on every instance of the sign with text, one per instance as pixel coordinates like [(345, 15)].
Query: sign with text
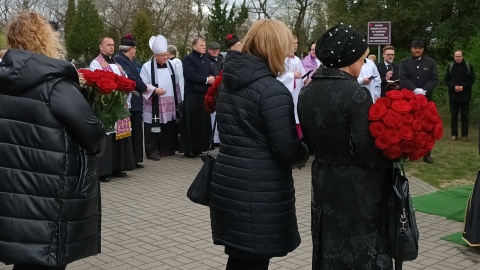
[(379, 33)]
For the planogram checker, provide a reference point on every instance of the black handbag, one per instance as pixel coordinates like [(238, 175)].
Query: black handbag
[(402, 226), (199, 190)]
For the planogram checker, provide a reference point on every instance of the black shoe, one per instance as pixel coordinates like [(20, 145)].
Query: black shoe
[(428, 159), (154, 157), (139, 166), (104, 179), (189, 155), (119, 174)]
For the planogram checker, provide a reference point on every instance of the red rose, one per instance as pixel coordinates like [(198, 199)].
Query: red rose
[(393, 152), (106, 86), (125, 84), (427, 124), (431, 112), (393, 136), (407, 118), (406, 132), (420, 139), (430, 143), (385, 101), (376, 112), (382, 142), (419, 114), (407, 147), (417, 154), (377, 129), (90, 76), (408, 94), (401, 106), (107, 74), (393, 119), (395, 94), (422, 100), (417, 124), (438, 131), (415, 104)]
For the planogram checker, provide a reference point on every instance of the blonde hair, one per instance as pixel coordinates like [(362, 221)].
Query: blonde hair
[(270, 40), (30, 31), (372, 57), (2, 53)]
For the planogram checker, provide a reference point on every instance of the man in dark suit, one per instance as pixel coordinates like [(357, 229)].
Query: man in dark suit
[(459, 78), (125, 58), (419, 73), (196, 124), (388, 70)]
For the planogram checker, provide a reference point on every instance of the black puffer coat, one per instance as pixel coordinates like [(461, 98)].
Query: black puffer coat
[(49, 191), (252, 194)]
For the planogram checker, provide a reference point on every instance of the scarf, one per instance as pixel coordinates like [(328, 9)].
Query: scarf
[(309, 63)]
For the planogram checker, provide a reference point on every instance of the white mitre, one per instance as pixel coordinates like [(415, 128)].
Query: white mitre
[(158, 44)]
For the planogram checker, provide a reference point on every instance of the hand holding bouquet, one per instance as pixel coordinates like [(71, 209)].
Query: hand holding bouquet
[(106, 92)]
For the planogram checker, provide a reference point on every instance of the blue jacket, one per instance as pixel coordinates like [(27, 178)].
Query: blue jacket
[(196, 69), (134, 75)]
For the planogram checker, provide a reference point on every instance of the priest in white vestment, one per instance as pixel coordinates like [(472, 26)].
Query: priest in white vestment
[(161, 101)]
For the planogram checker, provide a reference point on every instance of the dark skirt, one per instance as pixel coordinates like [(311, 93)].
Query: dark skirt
[(196, 125), (163, 143), (349, 218), (137, 135), (118, 156), (471, 232)]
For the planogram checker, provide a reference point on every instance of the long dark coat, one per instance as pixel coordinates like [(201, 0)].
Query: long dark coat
[(349, 175), (419, 73), (252, 194), (49, 191)]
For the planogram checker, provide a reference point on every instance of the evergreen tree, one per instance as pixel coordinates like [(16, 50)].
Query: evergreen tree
[(69, 17), (222, 21), (142, 31), (87, 29)]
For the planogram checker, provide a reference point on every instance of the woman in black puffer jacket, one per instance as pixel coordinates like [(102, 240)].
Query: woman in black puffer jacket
[(252, 194), (49, 191)]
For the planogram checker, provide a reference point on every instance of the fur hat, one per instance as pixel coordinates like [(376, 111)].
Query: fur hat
[(128, 40), (231, 40)]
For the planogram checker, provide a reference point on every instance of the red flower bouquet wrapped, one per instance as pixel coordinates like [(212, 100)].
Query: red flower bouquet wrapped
[(106, 92), (405, 125)]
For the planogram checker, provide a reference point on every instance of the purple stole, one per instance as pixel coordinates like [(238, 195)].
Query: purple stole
[(123, 128)]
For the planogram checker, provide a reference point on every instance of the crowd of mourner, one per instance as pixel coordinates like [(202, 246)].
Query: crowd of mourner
[(264, 108)]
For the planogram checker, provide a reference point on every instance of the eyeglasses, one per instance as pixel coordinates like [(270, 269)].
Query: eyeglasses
[(163, 55)]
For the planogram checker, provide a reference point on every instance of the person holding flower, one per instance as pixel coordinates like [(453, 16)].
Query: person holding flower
[(119, 154), (350, 176), (49, 190)]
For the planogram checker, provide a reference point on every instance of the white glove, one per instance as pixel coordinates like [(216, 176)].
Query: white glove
[(419, 91)]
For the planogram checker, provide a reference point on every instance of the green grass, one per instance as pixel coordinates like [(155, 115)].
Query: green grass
[(456, 162)]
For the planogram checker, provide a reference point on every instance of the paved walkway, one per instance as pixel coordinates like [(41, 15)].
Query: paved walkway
[(149, 223)]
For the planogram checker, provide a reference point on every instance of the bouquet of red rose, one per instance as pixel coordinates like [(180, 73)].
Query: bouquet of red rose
[(106, 92), (405, 125)]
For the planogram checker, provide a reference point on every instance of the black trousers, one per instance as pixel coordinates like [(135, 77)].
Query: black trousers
[(464, 109), (36, 267), (235, 263), (137, 135)]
